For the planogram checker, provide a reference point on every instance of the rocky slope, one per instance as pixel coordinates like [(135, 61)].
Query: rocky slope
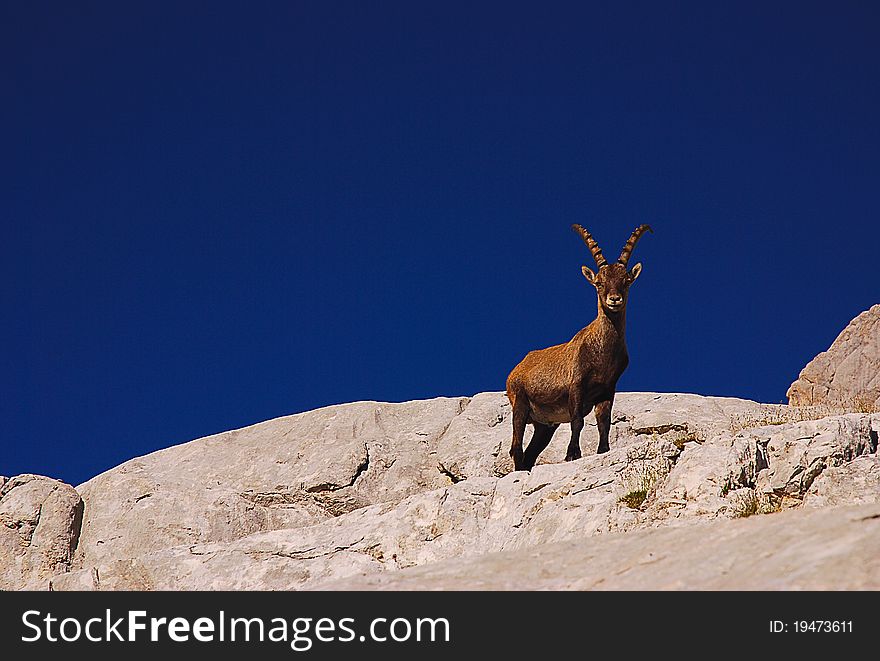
[(827, 549), (368, 488)]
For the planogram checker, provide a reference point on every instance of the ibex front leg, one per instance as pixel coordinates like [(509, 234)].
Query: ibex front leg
[(576, 413), (603, 422)]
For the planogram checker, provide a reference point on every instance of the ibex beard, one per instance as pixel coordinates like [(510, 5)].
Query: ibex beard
[(563, 383)]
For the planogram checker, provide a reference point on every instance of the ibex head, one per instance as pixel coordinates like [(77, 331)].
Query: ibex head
[(612, 281)]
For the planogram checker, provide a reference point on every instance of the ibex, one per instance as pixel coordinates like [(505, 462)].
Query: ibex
[(564, 382)]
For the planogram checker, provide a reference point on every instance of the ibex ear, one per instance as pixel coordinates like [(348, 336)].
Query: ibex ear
[(589, 275), (635, 272)]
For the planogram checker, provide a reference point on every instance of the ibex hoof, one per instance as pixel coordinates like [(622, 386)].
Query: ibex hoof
[(517, 460)]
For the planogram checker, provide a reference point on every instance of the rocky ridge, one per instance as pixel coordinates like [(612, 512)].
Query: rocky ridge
[(364, 489)]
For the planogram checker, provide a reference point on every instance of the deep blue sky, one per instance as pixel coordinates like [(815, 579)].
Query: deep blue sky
[(214, 214)]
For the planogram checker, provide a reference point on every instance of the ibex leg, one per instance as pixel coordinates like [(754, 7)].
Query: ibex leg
[(520, 418), (603, 422), (576, 411), (540, 440)]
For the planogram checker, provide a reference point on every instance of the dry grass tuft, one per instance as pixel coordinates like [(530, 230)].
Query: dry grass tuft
[(639, 481), (749, 503)]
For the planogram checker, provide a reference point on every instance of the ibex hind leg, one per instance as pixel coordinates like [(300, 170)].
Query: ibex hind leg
[(520, 419), (540, 440)]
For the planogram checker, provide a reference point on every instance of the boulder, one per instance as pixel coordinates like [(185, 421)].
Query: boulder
[(40, 522), (848, 373)]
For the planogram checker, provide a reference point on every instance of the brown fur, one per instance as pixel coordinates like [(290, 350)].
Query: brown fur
[(563, 383)]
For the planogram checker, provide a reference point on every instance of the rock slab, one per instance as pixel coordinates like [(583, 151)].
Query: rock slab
[(828, 549)]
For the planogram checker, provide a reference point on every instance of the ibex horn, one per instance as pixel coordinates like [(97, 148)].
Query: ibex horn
[(631, 243), (592, 245)]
